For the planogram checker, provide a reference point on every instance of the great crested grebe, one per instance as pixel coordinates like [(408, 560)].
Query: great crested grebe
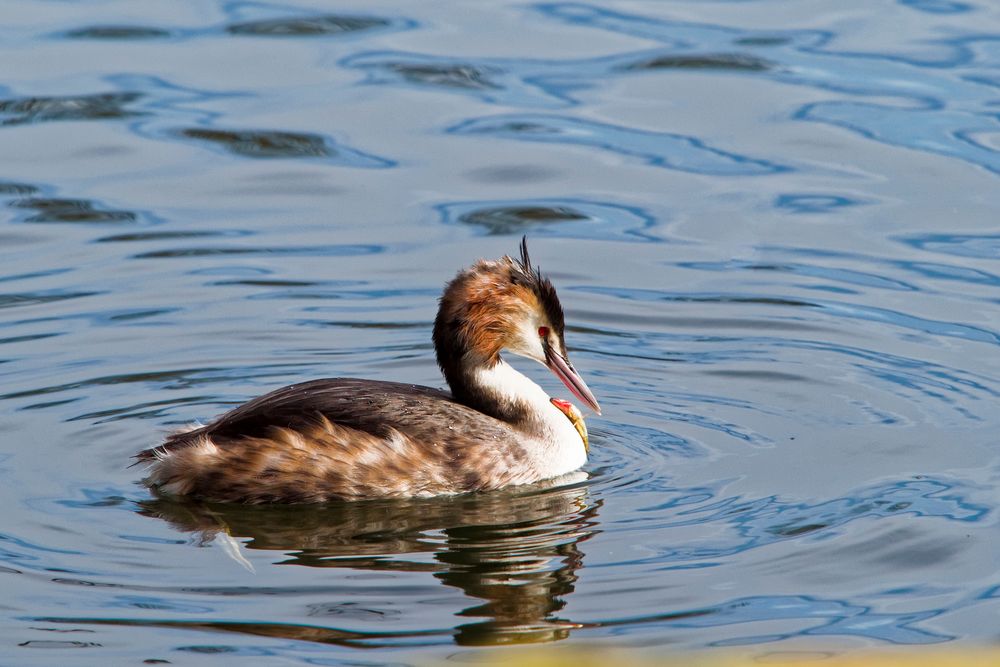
[(345, 438)]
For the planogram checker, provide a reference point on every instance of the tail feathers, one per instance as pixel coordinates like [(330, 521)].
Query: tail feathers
[(184, 437)]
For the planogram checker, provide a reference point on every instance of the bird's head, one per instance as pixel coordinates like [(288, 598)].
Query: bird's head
[(506, 304)]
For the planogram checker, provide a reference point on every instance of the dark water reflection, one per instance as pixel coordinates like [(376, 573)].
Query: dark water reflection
[(711, 61), (70, 210), (517, 553), (104, 106), (307, 26), (116, 32), (566, 218)]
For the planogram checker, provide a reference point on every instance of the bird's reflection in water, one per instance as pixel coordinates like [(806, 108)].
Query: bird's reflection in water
[(517, 551)]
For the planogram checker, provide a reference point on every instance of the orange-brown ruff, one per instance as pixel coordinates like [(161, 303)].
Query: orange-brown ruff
[(345, 438)]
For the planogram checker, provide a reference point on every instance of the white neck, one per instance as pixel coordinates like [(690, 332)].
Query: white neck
[(553, 435)]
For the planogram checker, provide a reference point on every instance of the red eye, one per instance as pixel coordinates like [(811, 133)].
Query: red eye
[(543, 332)]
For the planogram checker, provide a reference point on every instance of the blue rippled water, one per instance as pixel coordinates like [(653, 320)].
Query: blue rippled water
[(773, 226)]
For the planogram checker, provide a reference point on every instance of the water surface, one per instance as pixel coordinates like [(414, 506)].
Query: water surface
[(773, 226)]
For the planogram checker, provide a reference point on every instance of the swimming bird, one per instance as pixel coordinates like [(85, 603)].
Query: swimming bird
[(347, 438)]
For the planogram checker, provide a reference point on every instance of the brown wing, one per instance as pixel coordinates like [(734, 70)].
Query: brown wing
[(370, 406), (340, 439)]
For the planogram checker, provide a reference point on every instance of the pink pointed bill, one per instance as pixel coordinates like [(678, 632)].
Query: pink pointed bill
[(562, 369)]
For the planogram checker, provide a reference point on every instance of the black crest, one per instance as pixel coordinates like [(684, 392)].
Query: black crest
[(542, 287)]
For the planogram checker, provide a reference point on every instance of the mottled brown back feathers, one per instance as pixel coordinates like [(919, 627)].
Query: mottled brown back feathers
[(340, 438)]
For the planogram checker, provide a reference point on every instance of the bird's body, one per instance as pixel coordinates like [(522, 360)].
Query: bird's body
[(346, 438)]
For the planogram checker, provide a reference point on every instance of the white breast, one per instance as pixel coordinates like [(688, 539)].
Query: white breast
[(557, 449)]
